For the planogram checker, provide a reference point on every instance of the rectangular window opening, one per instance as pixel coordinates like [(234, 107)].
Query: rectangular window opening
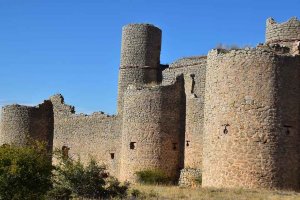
[(187, 143), (112, 156), (132, 145)]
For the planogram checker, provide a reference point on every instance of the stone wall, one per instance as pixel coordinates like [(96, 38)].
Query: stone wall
[(152, 130), (87, 136), (19, 123), (285, 32), (251, 126), (193, 69)]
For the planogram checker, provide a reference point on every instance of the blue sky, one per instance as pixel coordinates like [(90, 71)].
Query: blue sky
[(73, 46)]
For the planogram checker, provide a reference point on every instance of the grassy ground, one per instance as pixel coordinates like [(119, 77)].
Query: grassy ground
[(174, 192)]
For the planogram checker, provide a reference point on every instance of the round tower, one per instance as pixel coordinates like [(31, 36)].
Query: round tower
[(15, 124), (287, 32), (251, 126), (152, 131), (20, 123), (140, 57)]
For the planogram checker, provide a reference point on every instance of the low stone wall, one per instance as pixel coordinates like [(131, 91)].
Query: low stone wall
[(87, 136), (190, 177)]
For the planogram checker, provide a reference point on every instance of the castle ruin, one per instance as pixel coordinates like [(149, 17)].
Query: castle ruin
[(232, 116)]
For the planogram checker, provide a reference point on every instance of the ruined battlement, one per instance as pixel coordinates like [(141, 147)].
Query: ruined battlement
[(282, 32), (231, 116)]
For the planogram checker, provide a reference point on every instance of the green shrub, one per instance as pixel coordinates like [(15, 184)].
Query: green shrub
[(59, 193), (137, 194), (25, 172), (115, 189), (153, 177), (73, 179)]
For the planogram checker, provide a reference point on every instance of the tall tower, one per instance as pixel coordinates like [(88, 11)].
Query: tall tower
[(150, 112), (140, 57)]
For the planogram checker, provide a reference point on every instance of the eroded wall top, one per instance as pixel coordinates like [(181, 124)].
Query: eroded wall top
[(282, 32)]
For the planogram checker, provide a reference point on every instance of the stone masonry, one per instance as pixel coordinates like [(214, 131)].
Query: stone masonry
[(226, 119)]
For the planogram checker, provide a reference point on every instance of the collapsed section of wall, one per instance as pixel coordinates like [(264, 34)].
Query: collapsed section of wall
[(152, 130), (87, 136), (21, 123), (251, 127)]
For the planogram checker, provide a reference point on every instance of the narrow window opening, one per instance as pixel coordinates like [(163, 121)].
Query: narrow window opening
[(65, 152), (112, 156), (132, 145), (187, 143), (193, 83), (174, 146)]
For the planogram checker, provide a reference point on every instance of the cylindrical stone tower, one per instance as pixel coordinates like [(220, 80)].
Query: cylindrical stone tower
[(140, 57), (152, 131), (15, 124), (20, 123), (251, 126)]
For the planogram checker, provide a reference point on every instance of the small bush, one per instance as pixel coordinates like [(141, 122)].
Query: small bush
[(153, 177), (115, 189), (136, 193), (73, 179), (25, 172), (59, 193)]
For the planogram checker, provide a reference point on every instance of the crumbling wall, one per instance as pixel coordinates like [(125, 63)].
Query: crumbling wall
[(87, 136), (282, 32), (152, 130), (193, 69), (20, 123), (251, 126)]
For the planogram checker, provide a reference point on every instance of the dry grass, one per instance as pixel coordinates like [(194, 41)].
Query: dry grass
[(174, 192)]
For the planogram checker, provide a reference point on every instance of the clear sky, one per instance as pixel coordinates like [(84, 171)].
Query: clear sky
[(73, 46)]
